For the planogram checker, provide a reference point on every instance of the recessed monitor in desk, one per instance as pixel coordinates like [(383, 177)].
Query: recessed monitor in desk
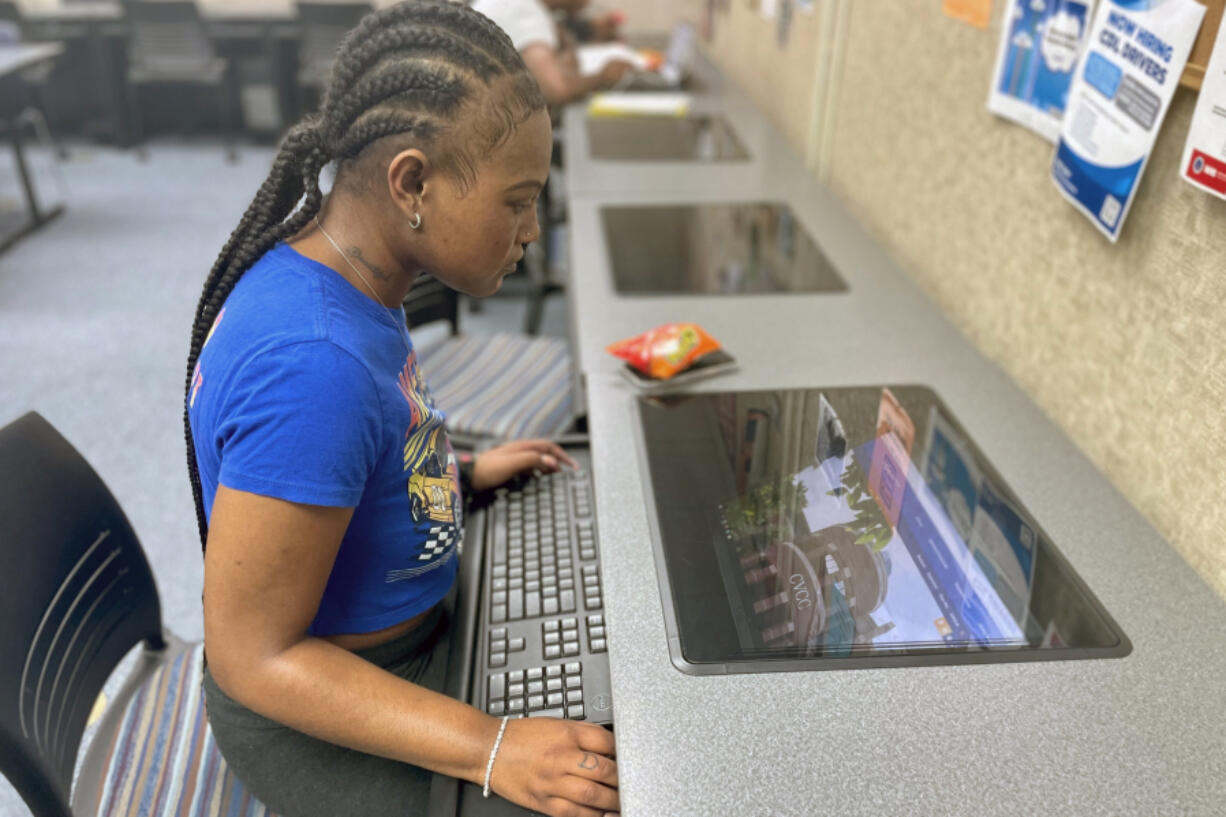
[(714, 249), (696, 138), (850, 527)]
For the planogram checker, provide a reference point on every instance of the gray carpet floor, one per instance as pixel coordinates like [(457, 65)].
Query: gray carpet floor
[(95, 313)]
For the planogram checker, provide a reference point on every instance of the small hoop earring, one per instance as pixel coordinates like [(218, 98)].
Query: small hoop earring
[(415, 224)]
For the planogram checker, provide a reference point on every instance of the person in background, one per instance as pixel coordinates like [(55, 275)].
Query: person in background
[(534, 31)]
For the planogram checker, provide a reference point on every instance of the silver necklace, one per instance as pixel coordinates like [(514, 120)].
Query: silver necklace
[(400, 330)]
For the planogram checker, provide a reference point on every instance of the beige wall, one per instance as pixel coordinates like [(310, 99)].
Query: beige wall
[(1123, 346), (652, 16)]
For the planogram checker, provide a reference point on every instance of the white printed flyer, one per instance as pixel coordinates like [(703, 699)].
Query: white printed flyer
[(1040, 41), (1204, 157), (1122, 88)]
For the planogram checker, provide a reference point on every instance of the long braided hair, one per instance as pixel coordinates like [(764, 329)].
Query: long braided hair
[(414, 71)]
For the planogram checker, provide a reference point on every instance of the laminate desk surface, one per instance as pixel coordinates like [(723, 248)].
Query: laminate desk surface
[(1144, 734)]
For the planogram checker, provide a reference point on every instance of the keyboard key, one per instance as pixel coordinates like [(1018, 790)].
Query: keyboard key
[(515, 705), (574, 668), (553, 638), (535, 702), (549, 605), (499, 597), (498, 708), (570, 624), (498, 686), (536, 673), (596, 631), (516, 676), (598, 645), (536, 687), (567, 600), (551, 626), (498, 613), (568, 649), (574, 682), (551, 713), (575, 712), (554, 671), (515, 610), (532, 605), (516, 645), (551, 685), (574, 696), (515, 691), (553, 651), (498, 659), (596, 619), (555, 699)]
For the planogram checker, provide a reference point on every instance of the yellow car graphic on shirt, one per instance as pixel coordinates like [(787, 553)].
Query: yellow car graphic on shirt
[(431, 496)]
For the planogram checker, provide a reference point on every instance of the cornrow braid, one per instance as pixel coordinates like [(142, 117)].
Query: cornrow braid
[(409, 69)]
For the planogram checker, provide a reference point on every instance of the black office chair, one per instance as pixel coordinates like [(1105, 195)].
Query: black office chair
[(78, 596), (168, 44), (492, 387), (321, 27)]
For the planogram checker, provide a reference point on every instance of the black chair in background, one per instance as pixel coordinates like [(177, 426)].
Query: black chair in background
[(169, 45), (321, 27)]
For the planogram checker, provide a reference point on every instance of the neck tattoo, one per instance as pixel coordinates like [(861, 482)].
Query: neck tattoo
[(400, 329)]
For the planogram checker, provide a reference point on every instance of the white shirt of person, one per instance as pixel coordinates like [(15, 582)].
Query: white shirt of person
[(526, 22)]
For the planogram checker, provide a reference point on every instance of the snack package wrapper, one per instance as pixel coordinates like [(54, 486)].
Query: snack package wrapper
[(665, 351)]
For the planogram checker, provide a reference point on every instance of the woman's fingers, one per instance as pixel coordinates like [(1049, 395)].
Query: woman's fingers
[(588, 793), (596, 767), (593, 738), (547, 447)]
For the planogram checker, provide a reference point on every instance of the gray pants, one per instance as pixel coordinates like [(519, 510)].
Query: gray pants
[(296, 775)]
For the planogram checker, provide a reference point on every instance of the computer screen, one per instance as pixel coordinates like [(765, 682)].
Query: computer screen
[(857, 525)]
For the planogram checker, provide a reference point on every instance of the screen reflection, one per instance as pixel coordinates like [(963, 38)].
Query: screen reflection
[(851, 522)]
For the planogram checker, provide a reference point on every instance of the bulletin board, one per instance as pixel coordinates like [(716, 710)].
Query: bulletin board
[(1194, 74)]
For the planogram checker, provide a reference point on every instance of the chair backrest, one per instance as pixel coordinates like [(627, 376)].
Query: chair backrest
[(166, 32), (78, 594), (322, 26), (431, 300)]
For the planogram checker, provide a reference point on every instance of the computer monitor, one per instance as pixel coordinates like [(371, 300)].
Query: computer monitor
[(849, 527)]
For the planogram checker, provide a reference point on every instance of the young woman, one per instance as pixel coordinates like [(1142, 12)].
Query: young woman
[(309, 428)]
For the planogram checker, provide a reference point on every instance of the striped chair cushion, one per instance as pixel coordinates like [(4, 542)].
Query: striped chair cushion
[(503, 386), (163, 761)]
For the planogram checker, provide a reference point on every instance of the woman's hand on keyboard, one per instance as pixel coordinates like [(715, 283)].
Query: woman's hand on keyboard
[(557, 767), (501, 463)]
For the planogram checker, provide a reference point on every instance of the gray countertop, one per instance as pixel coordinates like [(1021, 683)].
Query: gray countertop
[(1145, 734)]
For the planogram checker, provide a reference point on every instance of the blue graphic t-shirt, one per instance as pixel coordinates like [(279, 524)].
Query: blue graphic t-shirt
[(308, 391)]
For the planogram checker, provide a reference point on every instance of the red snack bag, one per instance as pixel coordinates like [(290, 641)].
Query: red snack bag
[(665, 351)]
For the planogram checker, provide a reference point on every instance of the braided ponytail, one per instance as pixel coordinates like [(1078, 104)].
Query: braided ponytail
[(406, 69)]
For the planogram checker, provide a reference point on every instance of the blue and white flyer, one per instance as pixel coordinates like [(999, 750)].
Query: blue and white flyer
[(1122, 88), (1040, 41), (1204, 156)]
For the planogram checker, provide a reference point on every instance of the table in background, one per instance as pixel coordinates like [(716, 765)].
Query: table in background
[(13, 60)]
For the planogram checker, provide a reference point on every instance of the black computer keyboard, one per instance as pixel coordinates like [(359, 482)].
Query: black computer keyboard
[(543, 636)]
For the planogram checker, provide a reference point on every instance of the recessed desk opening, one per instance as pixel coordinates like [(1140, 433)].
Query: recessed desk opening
[(714, 249), (664, 139)]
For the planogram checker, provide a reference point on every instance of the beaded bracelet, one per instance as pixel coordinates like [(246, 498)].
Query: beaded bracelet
[(489, 767)]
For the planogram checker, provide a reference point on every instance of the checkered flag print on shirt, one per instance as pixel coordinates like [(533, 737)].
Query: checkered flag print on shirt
[(438, 539)]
